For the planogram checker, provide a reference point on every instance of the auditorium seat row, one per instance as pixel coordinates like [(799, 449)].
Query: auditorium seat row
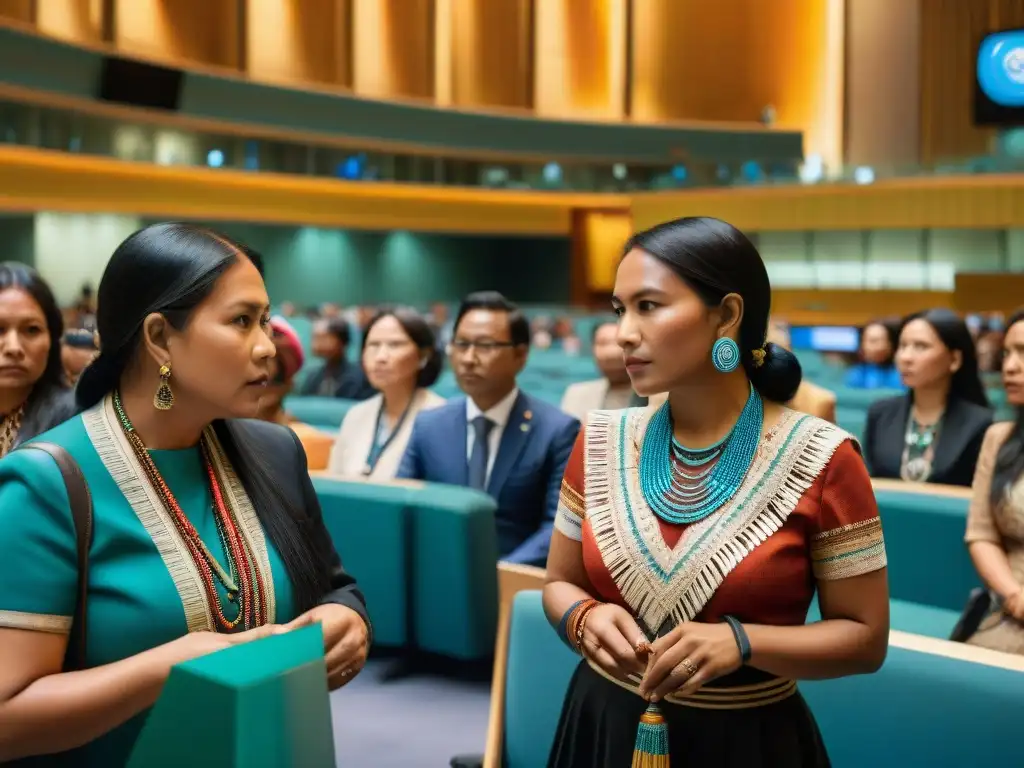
[(934, 703), (425, 554)]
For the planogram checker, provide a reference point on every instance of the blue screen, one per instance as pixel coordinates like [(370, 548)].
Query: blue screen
[(1001, 68), (825, 338)]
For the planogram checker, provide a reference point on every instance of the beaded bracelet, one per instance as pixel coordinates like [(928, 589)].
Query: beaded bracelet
[(563, 625), (580, 622)]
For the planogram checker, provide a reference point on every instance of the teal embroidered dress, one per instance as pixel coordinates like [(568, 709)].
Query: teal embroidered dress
[(144, 589)]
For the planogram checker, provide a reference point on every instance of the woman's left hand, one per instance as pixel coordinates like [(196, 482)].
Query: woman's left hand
[(345, 640), (688, 657)]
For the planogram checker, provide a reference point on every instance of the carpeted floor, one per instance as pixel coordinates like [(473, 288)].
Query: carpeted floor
[(415, 722)]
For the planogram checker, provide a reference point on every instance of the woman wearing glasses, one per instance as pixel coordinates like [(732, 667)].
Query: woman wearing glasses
[(401, 360)]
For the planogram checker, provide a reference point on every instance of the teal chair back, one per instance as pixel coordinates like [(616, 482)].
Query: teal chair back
[(425, 555), (367, 522), (924, 539), (324, 413)]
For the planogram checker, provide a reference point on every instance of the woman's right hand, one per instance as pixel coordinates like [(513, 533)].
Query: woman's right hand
[(612, 639)]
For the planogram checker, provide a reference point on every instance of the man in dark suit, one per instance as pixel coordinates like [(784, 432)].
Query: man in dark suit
[(497, 439), (337, 377)]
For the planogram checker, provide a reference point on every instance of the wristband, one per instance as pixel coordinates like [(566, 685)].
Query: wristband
[(741, 637)]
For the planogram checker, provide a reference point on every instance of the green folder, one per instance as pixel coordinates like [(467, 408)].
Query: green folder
[(264, 704)]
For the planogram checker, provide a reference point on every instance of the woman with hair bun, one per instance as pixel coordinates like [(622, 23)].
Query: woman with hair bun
[(691, 537), (206, 531)]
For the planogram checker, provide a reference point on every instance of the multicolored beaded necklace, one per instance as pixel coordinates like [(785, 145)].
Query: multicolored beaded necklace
[(696, 482), (10, 425), (242, 580)]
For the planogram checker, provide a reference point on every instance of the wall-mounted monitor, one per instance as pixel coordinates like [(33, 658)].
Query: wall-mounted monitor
[(999, 79)]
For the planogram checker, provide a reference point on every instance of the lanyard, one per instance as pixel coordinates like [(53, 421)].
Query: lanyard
[(378, 447)]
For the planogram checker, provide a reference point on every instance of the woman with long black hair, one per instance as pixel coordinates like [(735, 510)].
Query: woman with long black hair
[(33, 396), (933, 433), (207, 532), (692, 536), (995, 523)]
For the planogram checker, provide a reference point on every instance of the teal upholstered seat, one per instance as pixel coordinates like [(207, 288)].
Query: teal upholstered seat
[(920, 709), (325, 413), (916, 618), (367, 523), (425, 550), (924, 539)]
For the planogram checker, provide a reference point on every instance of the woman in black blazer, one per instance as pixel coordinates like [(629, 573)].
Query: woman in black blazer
[(933, 434)]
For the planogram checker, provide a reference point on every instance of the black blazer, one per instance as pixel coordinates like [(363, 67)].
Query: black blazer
[(285, 463), (963, 430)]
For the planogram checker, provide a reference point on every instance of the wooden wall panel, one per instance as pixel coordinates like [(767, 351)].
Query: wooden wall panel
[(393, 48), (77, 21), (16, 10), (484, 50), (181, 32), (851, 307), (883, 83), (967, 202), (579, 59), (290, 44), (977, 292), (726, 60)]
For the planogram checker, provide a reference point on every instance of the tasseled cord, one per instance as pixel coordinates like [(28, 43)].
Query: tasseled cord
[(651, 750)]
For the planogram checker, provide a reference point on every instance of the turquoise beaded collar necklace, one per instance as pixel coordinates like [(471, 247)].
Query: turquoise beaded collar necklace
[(692, 484)]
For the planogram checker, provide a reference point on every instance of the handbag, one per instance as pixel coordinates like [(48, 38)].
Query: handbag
[(979, 603), (80, 501)]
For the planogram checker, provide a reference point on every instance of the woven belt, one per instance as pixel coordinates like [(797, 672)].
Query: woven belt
[(710, 697)]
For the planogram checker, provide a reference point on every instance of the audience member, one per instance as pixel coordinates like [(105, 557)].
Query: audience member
[(875, 369), (809, 397), (613, 390), (401, 360), (934, 432), (78, 348), (283, 367), (995, 523), (516, 445), (33, 393), (177, 470), (337, 376)]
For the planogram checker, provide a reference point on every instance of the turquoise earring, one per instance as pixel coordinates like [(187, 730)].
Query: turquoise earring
[(725, 355)]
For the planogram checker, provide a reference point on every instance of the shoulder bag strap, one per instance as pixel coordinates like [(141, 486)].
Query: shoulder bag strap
[(81, 513)]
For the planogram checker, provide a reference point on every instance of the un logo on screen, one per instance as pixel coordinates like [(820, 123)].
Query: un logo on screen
[(1000, 68), (1013, 64)]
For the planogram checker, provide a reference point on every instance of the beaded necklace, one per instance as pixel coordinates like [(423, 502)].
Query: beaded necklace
[(241, 580), (694, 483), (10, 425)]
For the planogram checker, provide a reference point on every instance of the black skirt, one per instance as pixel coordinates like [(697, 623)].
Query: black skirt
[(599, 722)]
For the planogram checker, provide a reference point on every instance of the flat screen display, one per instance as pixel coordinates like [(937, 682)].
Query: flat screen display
[(999, 79), (825, 338)]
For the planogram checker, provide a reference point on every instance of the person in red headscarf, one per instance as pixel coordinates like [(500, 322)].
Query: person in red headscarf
[(286, 363)]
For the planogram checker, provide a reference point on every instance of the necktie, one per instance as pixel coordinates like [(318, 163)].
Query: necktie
[(479, 454)]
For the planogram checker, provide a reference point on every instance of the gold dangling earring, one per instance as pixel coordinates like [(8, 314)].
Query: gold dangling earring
[(163, 400)]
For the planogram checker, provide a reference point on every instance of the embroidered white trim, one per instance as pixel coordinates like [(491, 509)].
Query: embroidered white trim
[(109, 440), (661, 583), (568, 523), (36, 622)]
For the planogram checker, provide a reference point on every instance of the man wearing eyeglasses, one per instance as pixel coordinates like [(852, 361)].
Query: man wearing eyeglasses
[(497, 439)]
